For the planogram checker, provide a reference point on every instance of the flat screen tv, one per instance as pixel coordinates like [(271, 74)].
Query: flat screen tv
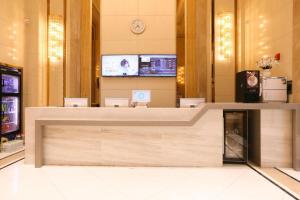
[(158, 65), (120, 65)]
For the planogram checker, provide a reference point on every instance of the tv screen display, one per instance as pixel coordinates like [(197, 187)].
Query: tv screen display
[(120, 65), (158, 65)]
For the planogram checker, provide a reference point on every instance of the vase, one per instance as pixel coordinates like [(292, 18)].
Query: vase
[(266, 73)]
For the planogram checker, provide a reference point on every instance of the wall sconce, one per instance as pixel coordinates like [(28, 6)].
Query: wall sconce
[(97, 71), (180, 75), (224, 36), (55, 38)]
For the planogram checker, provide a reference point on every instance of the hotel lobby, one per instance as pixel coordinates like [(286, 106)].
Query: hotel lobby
[(150, 99)]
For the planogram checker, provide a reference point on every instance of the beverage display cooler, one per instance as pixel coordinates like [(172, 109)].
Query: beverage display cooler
[(10, 100), (235, 136)]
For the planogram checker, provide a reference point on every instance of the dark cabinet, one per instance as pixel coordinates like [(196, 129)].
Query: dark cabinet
[(10, 100), (247, 86)]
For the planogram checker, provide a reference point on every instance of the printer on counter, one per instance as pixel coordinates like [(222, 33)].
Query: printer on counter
[(251, 87), (274, 89)]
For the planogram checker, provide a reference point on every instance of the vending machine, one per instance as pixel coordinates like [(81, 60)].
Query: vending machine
[(10, 100)]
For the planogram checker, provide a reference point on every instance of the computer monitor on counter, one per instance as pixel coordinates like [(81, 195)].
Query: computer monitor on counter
[(191, 102), (76, 102), (116, 102), (141, 98)]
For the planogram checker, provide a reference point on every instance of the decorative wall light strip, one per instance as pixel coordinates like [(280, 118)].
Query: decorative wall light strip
[(224, 36), (180, 75), (55, 38)]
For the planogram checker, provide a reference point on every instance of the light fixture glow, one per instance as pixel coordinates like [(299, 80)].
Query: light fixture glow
[(55, 38), (225, 36), (180, 75)]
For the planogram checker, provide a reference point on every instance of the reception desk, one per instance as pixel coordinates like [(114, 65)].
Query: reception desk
[(179, 137)]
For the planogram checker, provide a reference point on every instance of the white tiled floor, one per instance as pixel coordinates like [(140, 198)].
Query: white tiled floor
[(291, 172), (23, 182)]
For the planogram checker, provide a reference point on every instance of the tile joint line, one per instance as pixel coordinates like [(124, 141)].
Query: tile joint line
[(270, 180)]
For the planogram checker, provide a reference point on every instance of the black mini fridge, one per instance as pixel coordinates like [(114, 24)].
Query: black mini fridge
[(235, 136), (10, 100)]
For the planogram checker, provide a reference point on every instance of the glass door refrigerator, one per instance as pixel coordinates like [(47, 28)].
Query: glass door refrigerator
[(235, 136), (10, 100)]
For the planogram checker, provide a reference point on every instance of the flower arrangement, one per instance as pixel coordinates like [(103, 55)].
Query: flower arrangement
[(265, 63)]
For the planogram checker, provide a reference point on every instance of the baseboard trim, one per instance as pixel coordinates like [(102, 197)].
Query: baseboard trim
[(11, 159)]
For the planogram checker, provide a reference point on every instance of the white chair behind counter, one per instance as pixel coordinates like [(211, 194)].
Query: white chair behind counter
[(76, 102), (116, 102), (191, 102)]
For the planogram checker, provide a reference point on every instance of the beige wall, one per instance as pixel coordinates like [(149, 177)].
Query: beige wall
[(35, 53), (267, 30), (158, 38), (12, 32), (224, 70), (296, 51)]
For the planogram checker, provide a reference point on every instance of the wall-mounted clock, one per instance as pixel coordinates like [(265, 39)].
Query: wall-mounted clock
[(137, 26)]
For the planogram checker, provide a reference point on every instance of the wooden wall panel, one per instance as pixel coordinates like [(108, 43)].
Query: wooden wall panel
[(56, 69), (296, 51), (96, 3), (163, 90), (79, 48), (191, 84), (203, 47), (35, 54), (86, 48), (224, 73), (73, 48), (158, 38), (96, 54), (197, 48)]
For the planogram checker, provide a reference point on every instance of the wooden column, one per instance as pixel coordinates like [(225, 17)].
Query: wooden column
[(56, 69), (86, 48), (73, 48), (224, 69), (203, 47), (197, 48), (79, 48), (191, 85), (35, 54)]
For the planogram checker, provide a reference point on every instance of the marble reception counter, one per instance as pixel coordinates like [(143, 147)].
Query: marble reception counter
[(180, 137)]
